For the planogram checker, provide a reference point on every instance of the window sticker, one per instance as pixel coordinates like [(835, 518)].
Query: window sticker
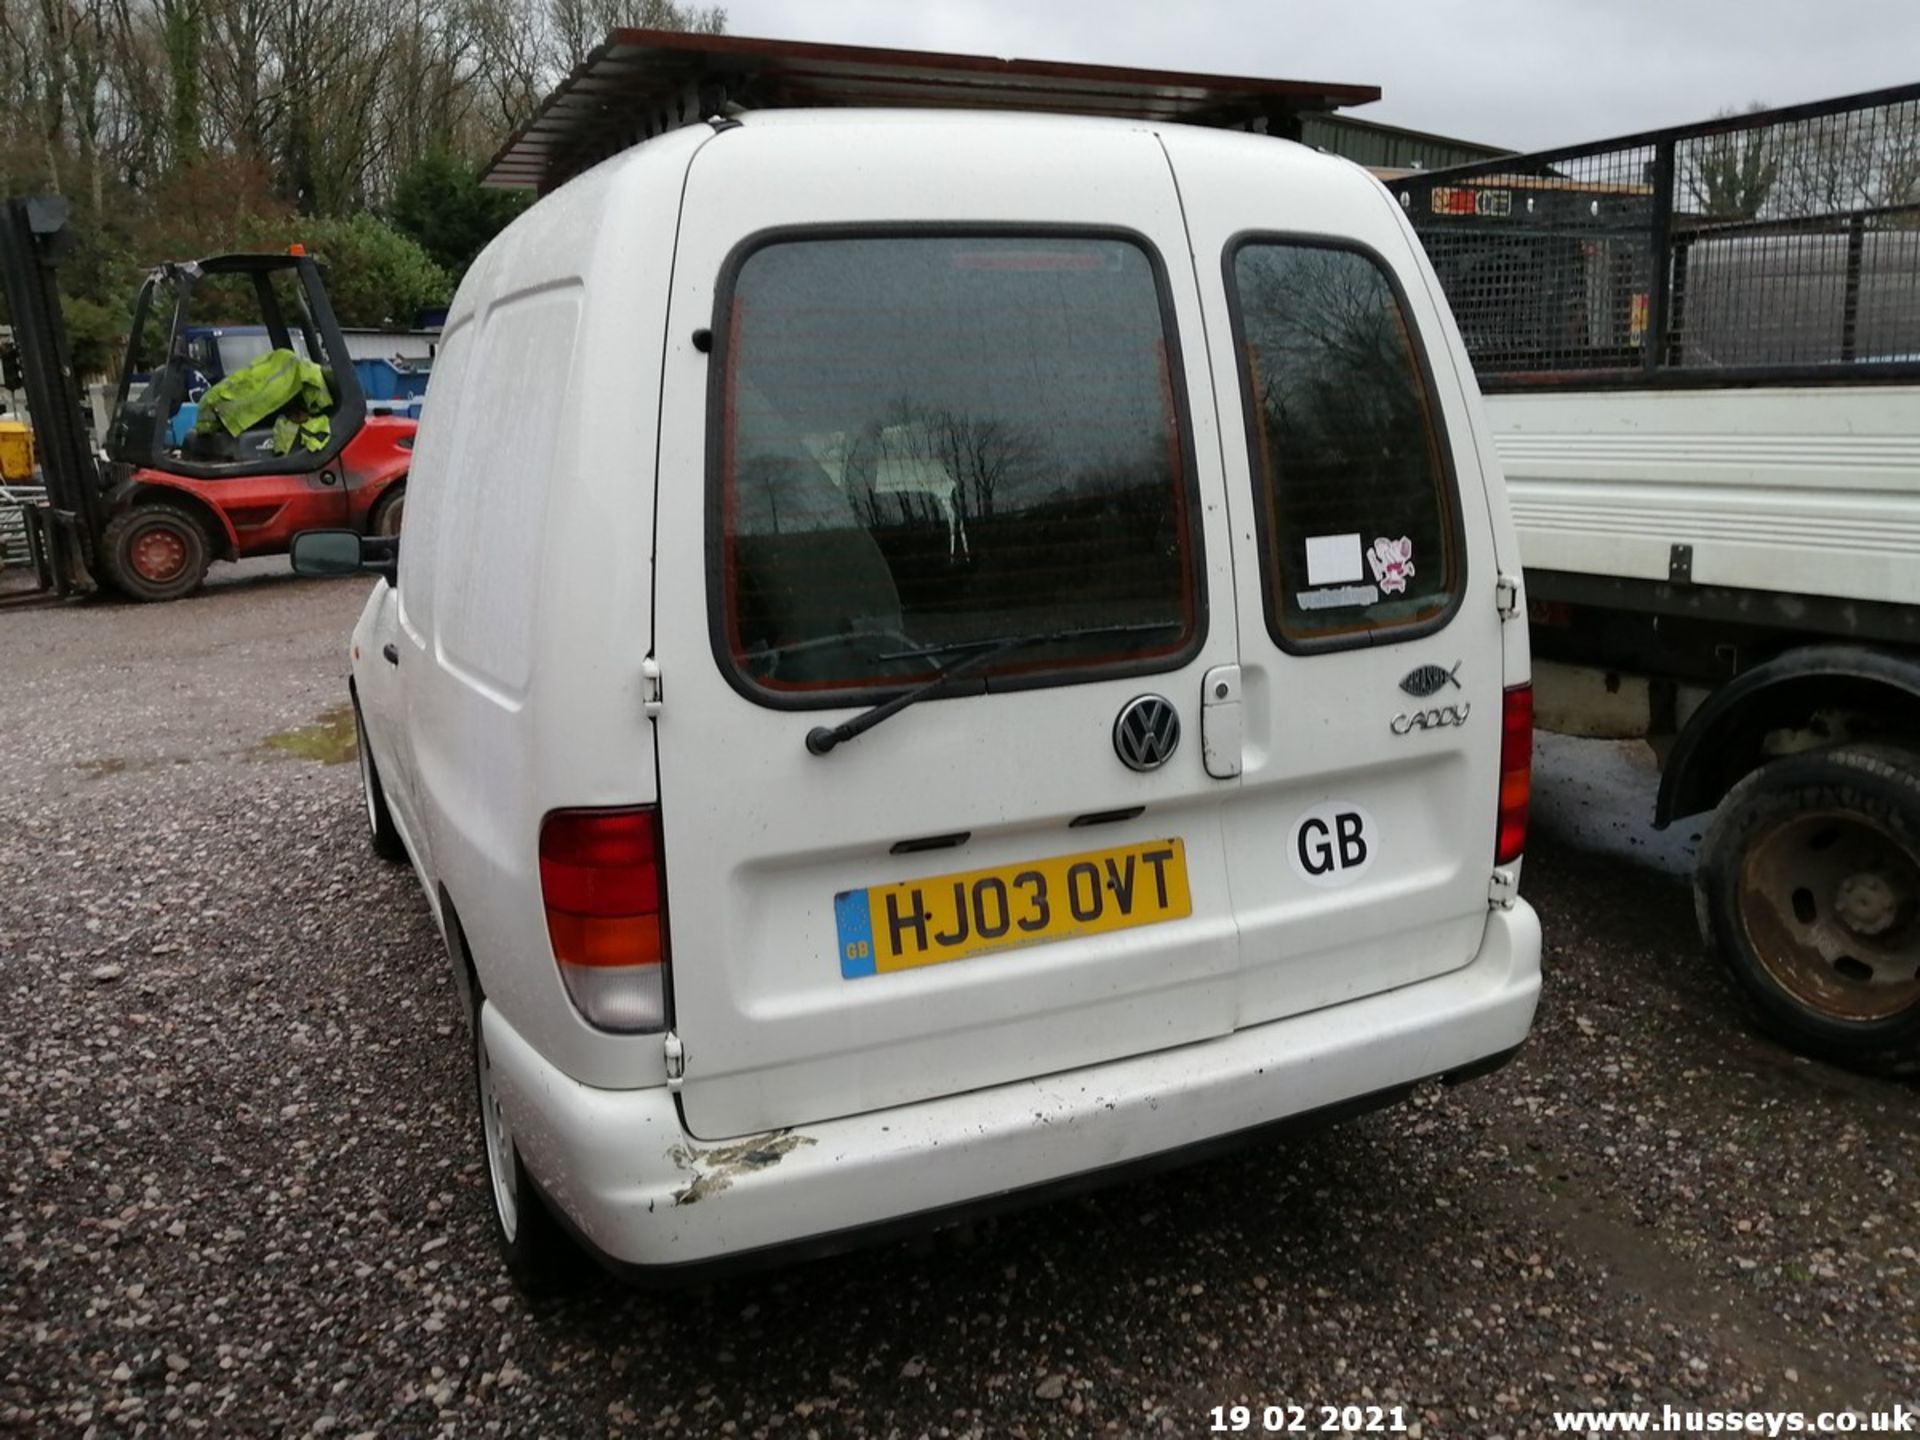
[(1334, 559), (1392, 564), (1338, 597)]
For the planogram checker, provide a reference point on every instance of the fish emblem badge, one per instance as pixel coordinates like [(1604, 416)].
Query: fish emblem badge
[(1431, 679)]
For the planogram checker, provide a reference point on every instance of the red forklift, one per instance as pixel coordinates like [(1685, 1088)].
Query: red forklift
[(164, 496)]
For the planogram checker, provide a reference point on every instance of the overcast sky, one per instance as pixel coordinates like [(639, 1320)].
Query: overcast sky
[(1524, 73)]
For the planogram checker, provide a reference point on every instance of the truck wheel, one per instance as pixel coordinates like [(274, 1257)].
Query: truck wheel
[(1809, 887), (537, 1253), (384, 838), (388, 514), (155, 552)]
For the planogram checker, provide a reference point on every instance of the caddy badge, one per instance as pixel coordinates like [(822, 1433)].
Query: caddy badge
[(1441, 717)]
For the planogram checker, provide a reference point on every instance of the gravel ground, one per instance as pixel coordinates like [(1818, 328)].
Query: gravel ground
[(243, 1193)]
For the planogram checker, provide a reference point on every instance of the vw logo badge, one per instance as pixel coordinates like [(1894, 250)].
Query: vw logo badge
[(1147, 732)]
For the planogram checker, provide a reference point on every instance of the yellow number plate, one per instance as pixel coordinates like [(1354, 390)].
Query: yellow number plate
[(949, 917)]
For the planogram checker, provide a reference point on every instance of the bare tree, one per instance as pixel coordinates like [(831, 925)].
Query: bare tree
[(1732, 175), (978, 455), (579, 25), (1863, 160), (339, 97)]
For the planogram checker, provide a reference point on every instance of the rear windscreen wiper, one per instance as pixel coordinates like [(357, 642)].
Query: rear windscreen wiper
[(822, 738)]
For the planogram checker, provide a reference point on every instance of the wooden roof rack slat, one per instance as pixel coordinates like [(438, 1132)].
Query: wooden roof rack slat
[(638, 83)]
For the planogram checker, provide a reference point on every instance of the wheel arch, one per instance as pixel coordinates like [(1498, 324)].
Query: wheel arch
[(466, 976), (144, 488), (1725, 739), (377, 492), (378, 458)]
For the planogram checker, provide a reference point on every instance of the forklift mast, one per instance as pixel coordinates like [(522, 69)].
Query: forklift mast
[(33, 240)]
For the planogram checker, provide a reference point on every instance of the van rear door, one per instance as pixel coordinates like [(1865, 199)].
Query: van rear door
[(932, 410), (1360, 842)]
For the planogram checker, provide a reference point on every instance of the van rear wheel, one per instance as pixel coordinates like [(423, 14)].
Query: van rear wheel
[(537, 1253), (1809, 887)]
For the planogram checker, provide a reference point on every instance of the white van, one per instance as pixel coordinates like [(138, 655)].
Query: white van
[(940, 658)]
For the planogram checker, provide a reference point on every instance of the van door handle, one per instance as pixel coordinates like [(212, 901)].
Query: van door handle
[(1222, 722), (392, 652)]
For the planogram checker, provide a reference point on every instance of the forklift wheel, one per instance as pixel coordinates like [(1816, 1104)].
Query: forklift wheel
[(155, 552)]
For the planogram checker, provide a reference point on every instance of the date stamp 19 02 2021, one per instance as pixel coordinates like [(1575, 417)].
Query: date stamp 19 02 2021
[(1309, 1419)]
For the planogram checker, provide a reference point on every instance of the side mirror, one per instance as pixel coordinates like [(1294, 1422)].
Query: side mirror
[(328, 553)]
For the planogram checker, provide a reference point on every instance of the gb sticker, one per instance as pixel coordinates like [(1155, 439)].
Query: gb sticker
[(1392, 564), (1333, 844)]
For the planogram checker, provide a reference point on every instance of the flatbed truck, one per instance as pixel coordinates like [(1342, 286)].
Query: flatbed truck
[(1700, 353)]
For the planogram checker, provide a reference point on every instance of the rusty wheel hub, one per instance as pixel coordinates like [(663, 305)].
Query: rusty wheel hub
[(1867, 903), (1828, 900), (158, 554)]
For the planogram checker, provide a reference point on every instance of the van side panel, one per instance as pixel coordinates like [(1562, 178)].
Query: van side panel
[(428, 495), (507, 446), (430, 487), (529, 697)]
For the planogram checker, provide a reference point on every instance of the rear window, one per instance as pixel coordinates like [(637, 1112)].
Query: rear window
[(932, 445), (1359, 527)]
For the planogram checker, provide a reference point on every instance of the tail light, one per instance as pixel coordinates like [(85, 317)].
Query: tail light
[(1516, 773), (603, 881)]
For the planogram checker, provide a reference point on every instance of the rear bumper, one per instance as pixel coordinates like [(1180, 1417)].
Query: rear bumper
[(656, 1204)]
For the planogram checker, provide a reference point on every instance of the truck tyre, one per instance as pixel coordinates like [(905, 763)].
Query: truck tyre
[(1808, 885), (537, 1253), (388, 512), (155, 551), (382, 834)]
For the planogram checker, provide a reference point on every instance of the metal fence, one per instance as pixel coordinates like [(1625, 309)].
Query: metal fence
[(1780, 243), (14, 547)]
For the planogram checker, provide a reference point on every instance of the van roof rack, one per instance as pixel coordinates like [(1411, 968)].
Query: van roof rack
[(640, 83)]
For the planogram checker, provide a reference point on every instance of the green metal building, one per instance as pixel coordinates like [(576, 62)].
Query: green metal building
[(1389, 147)]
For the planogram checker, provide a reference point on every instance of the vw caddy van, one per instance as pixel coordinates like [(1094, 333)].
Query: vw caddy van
[(935, 659)]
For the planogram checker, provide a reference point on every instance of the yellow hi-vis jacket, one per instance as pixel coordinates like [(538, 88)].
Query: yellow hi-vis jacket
[(277, 381)]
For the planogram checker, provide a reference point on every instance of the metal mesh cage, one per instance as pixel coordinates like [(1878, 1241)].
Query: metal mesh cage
[(1776, 243), (15, 548)]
